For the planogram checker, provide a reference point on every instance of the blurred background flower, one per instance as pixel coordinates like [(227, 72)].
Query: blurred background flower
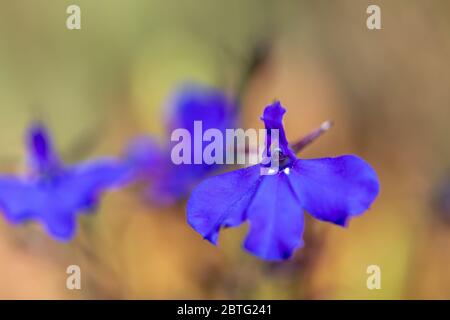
[(152, 161), (101, 86), (54, 193)]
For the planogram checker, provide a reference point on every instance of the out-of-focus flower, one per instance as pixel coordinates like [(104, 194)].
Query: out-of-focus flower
[(168, 182), (441, 200), (330, 189), (53, 193)]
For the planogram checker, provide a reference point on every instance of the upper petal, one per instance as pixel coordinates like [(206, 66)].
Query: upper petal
[(193, 102), (42, 156), (276, 219), (221, 201), (273, 120), (196, 109), (211, 108), (334, 189)]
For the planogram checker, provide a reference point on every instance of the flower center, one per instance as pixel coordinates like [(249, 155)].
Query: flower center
[(278, 159)]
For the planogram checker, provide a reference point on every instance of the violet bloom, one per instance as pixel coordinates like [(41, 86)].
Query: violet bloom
[(166, 182), (52, 193), (330, 189)]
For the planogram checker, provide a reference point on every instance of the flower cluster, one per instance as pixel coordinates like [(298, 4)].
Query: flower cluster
[(330, 189)]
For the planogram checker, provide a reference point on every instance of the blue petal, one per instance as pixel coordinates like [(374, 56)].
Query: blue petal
[(18, 199), (145, 156), (334, 189), (82, 184), (276, 220), (193, 102), (221, 201), (55, 201), (168, 183), (60, 224), (273, 119), (267, 202), (174, 182), (22, 200), (41, 153), (150, 162)]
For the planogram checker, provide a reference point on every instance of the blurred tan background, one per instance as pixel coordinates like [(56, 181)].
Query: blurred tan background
[(386, 90)]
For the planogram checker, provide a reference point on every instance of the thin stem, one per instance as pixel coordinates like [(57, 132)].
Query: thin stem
[(300, 145)]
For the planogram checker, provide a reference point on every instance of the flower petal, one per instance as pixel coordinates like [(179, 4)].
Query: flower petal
[(334, 189), (56, 202), (273, 120), (145, 156), (42, 156), (17, 199), (174, 182), (221, 201), (197, 109), (82, 184), (276, 220), (61, 225), (193, 102)]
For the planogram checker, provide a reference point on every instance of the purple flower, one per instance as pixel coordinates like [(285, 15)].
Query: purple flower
[(166, 182), (330, 189), (52, 193)]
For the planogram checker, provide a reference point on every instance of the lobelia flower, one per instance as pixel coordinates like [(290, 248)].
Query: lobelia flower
[(330, 189), (52, 193), (166, 182)]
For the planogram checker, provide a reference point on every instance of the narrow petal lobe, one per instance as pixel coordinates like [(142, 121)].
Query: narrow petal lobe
[(221, 201), (276, 220)]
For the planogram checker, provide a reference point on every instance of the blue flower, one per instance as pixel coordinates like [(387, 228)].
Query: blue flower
[(52, 193), (166, 182), (330, 189)]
